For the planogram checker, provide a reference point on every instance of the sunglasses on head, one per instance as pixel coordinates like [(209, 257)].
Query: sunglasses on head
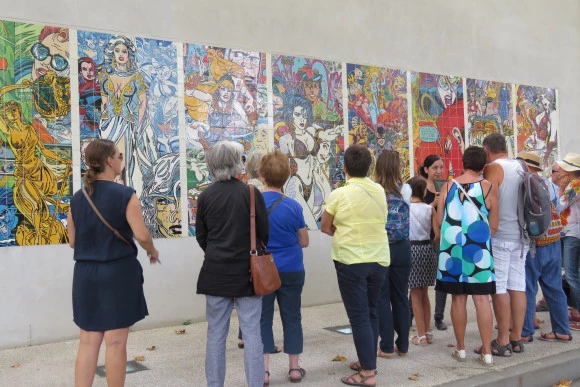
[(40, 52)]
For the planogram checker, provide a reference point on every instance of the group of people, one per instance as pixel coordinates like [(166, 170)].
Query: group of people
[(461, 235)]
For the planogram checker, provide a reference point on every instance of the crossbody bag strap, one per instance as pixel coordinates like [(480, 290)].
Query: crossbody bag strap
[(252, 221), (472, 202), (372, 197), (275, 204), (114, 230)]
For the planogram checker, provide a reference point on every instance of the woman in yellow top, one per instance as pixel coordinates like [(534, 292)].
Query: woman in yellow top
[(355, 217), (35, 184)]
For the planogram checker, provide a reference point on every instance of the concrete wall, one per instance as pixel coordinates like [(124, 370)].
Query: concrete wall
[(531, 42)]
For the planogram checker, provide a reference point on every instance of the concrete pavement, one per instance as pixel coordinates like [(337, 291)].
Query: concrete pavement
[(178, 359)]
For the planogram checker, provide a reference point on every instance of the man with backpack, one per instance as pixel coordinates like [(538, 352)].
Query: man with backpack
[(508, 249), (546, 267)]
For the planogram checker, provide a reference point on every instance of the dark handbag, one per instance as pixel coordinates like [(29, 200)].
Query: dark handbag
[(113, 229), (264, 273)]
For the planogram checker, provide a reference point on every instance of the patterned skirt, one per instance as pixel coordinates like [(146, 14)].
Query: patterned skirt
[(423, 264)]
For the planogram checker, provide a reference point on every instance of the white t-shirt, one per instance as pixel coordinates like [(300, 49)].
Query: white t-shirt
[(420, 221)]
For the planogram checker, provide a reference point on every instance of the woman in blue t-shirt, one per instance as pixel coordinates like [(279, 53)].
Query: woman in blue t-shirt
[(288, 235)]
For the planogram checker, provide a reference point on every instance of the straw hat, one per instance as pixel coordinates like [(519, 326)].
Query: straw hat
[(531, 159), (570, 163)]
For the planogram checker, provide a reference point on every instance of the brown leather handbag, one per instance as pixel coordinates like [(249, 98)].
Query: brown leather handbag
[(264, 273)]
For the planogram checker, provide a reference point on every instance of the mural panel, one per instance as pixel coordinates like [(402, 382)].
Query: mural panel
[(307, 95), (489, 110), (35, 134), (225, 99), (438, 121), (377, 110), (537, 122), (128, 94)]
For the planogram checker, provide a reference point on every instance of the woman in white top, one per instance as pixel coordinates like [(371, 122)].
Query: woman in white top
[(423, 259)]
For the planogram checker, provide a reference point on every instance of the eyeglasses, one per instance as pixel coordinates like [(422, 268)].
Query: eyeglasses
[(40, 52)]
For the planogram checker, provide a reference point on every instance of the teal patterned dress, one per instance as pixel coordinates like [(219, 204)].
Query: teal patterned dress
[(465, 259)]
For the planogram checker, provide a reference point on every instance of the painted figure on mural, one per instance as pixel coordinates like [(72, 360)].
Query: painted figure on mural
[(89, 98), (38, 193), (8, 217), (161, 198), (124, 108), (311, 89), (542, 138)]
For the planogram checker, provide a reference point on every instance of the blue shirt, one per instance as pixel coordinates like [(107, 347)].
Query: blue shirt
[(285, 221)]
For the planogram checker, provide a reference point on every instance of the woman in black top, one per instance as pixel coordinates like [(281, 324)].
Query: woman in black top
[(108, 279), (223, 232)]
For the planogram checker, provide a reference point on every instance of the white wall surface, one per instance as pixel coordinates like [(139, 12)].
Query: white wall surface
[(531, 42)]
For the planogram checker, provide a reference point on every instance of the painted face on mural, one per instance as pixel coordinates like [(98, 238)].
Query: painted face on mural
[(168, 217), (8, 220), (447, 90), (261, 138), (299, 118), (51, 54), (250, 62), (87, 71), (323, 152), (225, 93), (13, 115), (337, 92), (121, 54), (311, 90)]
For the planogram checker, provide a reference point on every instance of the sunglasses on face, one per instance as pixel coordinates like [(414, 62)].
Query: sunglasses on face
[(40, 52)]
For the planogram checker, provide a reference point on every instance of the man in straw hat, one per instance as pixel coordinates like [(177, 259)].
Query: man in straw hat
[(546, 267), (568, 171)]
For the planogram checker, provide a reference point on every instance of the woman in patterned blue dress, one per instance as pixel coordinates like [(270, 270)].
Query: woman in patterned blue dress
[(468, 215)]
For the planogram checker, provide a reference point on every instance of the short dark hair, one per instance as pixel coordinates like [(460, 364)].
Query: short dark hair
[(275, 169), (357, 160), (495, 143), (418, 186), (474, 158)]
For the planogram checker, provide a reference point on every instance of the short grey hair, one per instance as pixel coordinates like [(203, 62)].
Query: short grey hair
[(253, 162), (224, 160)]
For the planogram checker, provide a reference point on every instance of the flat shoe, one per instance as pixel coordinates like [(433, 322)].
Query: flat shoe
[(302, 372), (457, 355), (555, 339), (349, 380), (384, 355)]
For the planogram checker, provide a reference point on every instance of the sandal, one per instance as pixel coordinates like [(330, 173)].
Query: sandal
[(355, 366), (556, 339), (276, 350), (486, 360), (350, 380), (496, 349), (400, 353), (416, 340), (517, 346), (528, 339), (268, 382), (302, 372), (385, 355), (429, 337), (459, 355)]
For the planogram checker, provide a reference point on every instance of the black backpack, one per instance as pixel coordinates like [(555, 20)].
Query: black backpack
[(534, 208)]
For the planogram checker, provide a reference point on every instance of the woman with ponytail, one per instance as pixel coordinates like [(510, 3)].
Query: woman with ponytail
[(108, 279)]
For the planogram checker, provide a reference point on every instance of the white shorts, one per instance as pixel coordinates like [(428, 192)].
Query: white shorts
[(510, 265)]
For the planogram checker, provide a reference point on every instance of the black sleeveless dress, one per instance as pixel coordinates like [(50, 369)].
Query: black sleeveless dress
[(107, 289)]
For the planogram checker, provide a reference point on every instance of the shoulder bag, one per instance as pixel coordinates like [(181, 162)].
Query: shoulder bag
[(264, 273)]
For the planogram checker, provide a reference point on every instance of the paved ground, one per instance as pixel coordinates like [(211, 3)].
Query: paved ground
[(179, 359)]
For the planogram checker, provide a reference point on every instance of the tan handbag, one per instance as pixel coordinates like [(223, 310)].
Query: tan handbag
[(264, 273)]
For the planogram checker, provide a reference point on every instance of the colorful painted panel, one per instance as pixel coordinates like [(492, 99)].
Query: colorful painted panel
[(35, 133), (128, 94), (225, 99), (438, 121), (489, 110), (308, 110), (377, 110), (537, 122)]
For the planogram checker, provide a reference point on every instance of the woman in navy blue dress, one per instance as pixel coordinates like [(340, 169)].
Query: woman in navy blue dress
[(108, 279)]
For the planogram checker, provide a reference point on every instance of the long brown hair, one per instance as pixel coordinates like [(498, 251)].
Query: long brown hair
[(388, 172), (96, 155)]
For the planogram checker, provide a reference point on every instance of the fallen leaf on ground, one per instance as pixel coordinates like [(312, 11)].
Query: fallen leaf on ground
[(338, 358), (139, 358), (451, 345), (413, 378), (152, 348), (15, 365), (179, 331), (417, 374), (563, 383)]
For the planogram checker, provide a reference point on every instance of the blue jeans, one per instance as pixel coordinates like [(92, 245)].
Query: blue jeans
[(360, 286), (289, 301), (571, 258), (546, 268), (393, 303)]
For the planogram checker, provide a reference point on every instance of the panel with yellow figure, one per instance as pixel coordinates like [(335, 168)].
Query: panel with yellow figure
[(377, 110), (35, 184)]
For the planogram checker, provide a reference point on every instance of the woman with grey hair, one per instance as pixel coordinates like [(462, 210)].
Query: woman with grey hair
[(253, 162), (223, 216)]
